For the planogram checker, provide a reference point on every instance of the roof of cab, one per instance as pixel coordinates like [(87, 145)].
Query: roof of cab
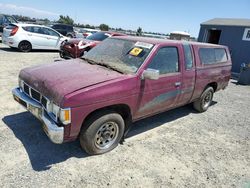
[(157, 41)]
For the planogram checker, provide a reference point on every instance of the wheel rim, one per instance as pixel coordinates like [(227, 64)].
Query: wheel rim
[(207, 100), (25, 46), (106, 135)]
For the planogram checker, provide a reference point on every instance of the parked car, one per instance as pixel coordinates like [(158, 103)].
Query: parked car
[(66, 30), (84, 32), (120, 81), (26, 37), (4, 21), (75, 48)]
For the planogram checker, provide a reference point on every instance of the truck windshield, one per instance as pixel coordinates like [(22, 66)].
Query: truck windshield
[(119, 54)]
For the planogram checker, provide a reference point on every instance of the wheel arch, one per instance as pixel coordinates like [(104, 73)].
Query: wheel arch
[(214, 85), (122, 109)]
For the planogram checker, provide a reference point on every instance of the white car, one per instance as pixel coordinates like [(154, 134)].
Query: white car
[(26, 37)]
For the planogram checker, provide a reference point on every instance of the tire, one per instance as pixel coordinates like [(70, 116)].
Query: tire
[(103, 133), (205, 100), (62, 55), (25, 46)]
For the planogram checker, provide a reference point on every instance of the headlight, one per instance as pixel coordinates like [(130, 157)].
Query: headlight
[(62, 114), (20, 83)]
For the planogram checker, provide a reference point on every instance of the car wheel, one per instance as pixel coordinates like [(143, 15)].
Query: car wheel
[(103, 133), (202, 104), (62, 55), (25, 46)]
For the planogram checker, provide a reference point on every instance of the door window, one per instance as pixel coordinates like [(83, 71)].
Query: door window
[(32, 29), (50, 32), (166, 60)]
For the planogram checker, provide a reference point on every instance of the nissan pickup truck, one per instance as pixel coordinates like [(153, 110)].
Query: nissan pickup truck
[(120, 81)]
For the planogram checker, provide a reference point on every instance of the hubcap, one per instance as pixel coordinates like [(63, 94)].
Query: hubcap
[(106, 135), (25, 46), (207, 99)]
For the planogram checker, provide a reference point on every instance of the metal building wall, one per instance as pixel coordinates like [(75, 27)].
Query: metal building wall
[(231, 36)]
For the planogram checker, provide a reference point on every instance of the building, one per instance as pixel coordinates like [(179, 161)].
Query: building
[(179, 35), (234, 33)]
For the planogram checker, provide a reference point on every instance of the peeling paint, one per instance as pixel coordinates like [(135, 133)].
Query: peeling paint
[(162, 98)]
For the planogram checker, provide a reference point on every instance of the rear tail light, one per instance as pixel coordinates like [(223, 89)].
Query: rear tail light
[(14, 30), (85, 34)]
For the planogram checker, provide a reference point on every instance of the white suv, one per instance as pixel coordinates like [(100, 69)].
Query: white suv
[(26, 37)]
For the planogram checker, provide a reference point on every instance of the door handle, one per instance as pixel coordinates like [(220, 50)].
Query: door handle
[(177, 84), (29, 34)]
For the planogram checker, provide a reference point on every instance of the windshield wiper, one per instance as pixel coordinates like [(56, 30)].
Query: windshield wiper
[(92, 62), (110, 67)]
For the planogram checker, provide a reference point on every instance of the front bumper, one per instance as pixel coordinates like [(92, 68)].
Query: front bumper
[(54, 132)]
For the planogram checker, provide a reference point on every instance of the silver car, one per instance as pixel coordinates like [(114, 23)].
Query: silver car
[(26, 37)]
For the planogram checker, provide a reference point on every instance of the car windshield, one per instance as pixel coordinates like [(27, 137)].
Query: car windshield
[(122, 55), (99, 36)]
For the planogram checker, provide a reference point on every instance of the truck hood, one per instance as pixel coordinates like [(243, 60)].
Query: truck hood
[(55, 80)]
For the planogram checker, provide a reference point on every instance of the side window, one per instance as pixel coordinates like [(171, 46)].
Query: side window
[(212, 55), (50, 32), (220, 55), (32, 29), (40, 30), (188, 56), (29, 29), (166, 60)]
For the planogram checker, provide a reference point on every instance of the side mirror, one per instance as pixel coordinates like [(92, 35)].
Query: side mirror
[(151, 74)]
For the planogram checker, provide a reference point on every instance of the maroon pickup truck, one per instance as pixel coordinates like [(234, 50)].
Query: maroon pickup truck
[(122, 80)]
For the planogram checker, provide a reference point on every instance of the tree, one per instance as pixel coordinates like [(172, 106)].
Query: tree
[(104, 27), (66, 20), (139, 32)]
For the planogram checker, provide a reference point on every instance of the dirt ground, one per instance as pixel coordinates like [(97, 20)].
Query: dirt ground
[(179, 148)]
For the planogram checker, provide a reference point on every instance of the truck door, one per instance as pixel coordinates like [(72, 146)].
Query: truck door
[(162, 94), (188, 75)]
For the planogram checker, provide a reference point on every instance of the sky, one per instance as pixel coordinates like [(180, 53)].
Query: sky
[(162, 16)]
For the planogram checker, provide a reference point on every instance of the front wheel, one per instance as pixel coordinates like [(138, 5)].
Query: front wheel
[(205, 100), (62, 55), (103, 133)]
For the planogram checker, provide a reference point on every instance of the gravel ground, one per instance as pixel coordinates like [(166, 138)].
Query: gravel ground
[(179, 148)]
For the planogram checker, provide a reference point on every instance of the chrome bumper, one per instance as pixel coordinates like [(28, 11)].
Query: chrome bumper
[(54, 132)]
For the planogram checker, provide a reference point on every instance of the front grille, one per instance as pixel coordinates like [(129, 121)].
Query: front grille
[(26, 89), (44, 102), (31, 92), (35, 95)]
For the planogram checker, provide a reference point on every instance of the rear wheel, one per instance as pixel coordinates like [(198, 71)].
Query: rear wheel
[(103, 133), (25, 46), (205, 100)]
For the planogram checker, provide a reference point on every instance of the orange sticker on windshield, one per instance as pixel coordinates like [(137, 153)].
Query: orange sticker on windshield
[(135, 51)]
